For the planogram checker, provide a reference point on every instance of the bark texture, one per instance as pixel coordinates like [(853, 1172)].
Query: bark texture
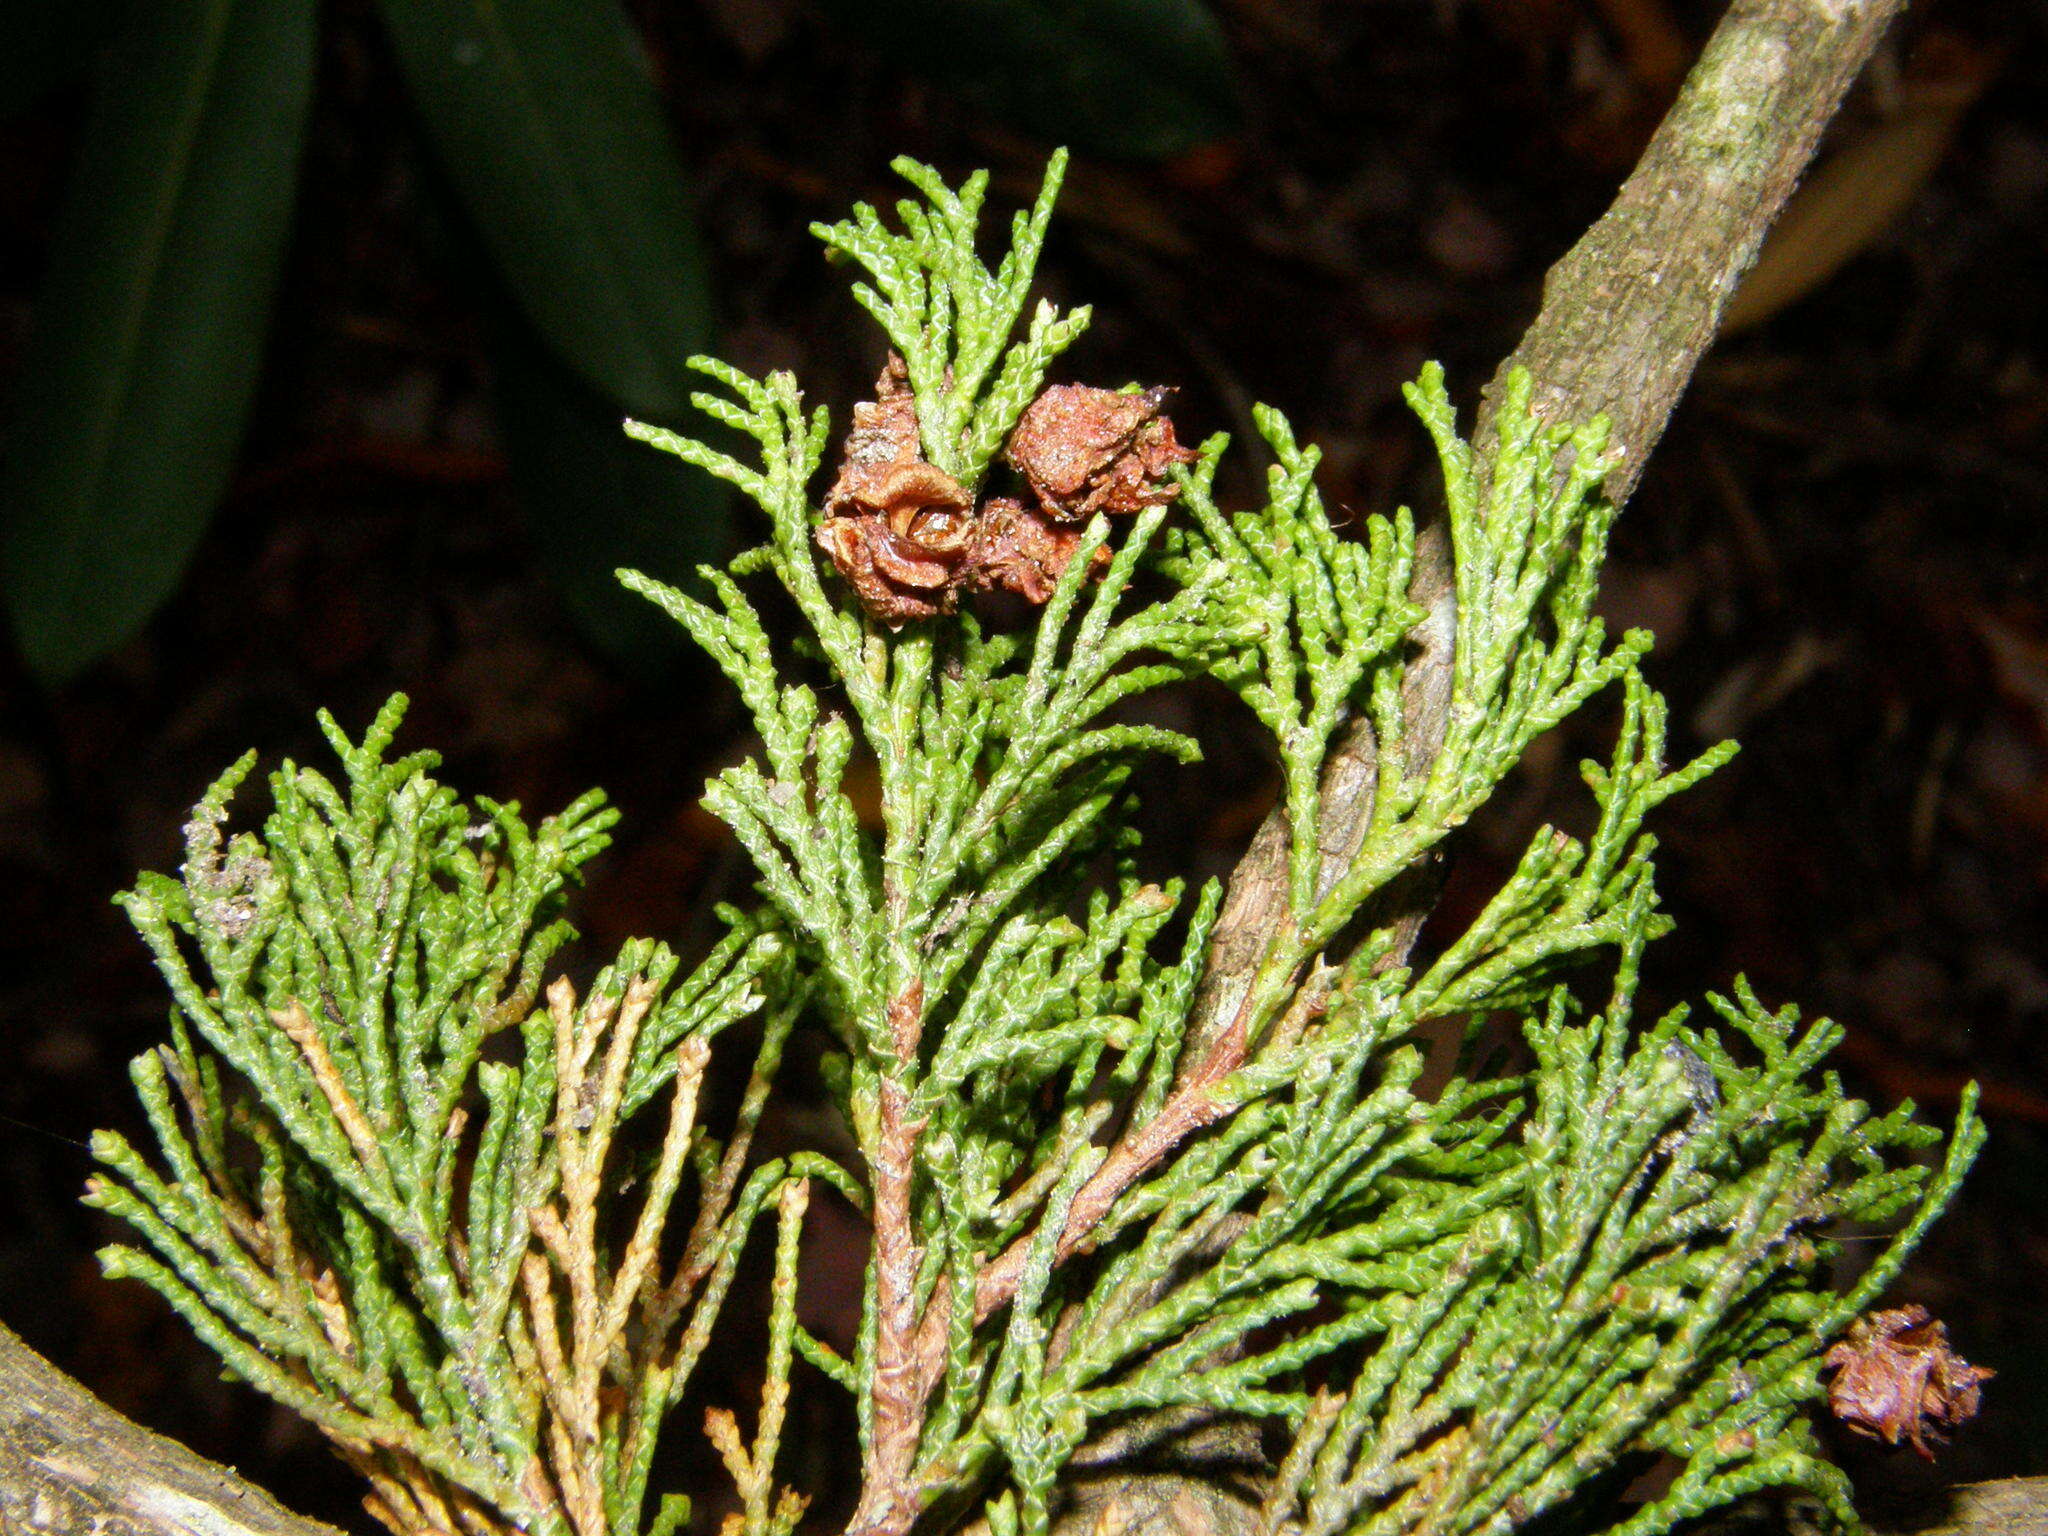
[(71, 1466), (1634, 305), (2016, 1506)]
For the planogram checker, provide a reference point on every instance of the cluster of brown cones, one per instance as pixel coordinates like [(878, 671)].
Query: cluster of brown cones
[(909, 537)]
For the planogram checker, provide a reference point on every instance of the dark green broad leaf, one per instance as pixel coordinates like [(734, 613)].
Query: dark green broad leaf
[(547, 124), (1139, 79), (594, 500), (149, 330)]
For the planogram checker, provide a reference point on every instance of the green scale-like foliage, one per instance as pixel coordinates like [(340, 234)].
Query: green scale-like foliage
[(354, 1247), (1096, 1207)]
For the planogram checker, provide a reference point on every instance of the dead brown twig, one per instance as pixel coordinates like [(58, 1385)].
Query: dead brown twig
[(573, 1368)]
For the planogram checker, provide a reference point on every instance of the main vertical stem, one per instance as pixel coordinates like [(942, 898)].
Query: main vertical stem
[(887, 1505), (902, 1384)]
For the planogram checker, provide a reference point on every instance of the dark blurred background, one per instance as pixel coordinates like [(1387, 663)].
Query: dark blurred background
[(318, 321)]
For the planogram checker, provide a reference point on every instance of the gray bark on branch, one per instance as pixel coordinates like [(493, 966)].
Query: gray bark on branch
[(2012, 1506), (1626, 316), (70, 1465)]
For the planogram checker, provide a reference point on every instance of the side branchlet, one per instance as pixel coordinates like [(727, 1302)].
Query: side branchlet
[(393, 1195)]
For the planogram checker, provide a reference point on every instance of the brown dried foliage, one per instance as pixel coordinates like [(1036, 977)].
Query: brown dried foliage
[(908, 537), (1897, 1380)]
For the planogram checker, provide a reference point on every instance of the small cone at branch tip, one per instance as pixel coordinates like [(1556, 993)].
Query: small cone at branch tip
[(908, 537), (1022, 550)]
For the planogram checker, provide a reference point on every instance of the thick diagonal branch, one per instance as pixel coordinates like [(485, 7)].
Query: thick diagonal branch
[(69, 1463), (1625, 319)]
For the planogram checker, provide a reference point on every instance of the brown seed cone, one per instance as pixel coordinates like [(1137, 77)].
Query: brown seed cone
[(1021, 550), (893, 577), (896, 526), (907, 536), (883, 439), (1084, 450), (1896, 1380)]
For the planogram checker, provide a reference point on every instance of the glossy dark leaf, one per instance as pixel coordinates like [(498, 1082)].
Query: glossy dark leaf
[(149, 330), (1135, 78), (548, 126)]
